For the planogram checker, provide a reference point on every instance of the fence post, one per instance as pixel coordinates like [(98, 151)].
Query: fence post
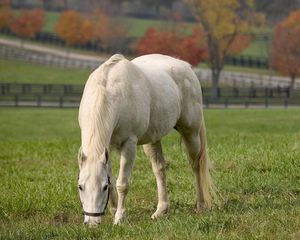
[(207, 102), (39, 100), (236, 92), (285, 103), (61, 101), (16, 100), (288, 92), (226, 103), (267, 102), (3, 89), (266, 92), (246, 103)]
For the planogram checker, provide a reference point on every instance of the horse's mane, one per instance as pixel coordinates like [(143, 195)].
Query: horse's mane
[(96, 111)]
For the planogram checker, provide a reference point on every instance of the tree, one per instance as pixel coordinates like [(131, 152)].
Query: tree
[(74, 28), (187, 48), (6, 14), (286, 47), (278, 9), (225, 23), (105, 31), (28, 23)]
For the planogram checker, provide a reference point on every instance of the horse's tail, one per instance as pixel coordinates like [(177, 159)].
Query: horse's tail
[(206, 184), (113, 60)]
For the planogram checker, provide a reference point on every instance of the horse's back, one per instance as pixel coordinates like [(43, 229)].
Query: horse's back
[(181, 74)]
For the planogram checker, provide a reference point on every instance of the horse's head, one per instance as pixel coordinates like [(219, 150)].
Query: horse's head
[(93, 185)]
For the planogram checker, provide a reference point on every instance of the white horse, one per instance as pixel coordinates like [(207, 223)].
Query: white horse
[(129, 103)]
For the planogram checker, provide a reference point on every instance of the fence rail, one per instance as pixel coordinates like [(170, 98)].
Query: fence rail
[(67, 95)]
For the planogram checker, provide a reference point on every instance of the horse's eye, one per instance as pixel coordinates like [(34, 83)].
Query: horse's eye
[(105, 187), (80, 187)]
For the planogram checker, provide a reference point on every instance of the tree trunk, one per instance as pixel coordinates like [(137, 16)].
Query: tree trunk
[(215, 73)]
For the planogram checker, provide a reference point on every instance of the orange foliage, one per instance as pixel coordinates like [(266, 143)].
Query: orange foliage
[(74, 28), (6, 14), (187, 48), (5, 3), (239, 43), (28, 23), (6, 17), (100, 24), (286, 46), (105, 31)]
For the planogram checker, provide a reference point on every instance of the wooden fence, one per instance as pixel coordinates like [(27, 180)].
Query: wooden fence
[(66, 95)]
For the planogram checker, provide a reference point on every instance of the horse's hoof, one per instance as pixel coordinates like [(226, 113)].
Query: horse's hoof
[(160, 212), (199, 208), (119, 217)]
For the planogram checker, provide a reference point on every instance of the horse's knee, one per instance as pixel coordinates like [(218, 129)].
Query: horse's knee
[(122, 188), (158, 167), (149, 150)]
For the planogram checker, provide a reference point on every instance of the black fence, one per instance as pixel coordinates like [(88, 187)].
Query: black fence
[(247, 61), (65, 95)]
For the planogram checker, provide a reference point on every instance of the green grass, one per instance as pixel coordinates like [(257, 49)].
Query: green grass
[(255, 155), (13, 71), (50, 21), (137, 26), (257, 48)]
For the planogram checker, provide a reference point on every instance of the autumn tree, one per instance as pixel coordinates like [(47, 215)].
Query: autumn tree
[(166, 42), (286, 47), (225, 23), (28, 23), (74, 28), (106, 31), (6, 14)]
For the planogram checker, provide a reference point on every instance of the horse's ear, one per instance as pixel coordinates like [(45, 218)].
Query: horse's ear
[(104, 156), (81, 157)]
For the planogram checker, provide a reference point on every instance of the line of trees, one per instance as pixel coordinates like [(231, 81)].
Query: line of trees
[(286, 47), (73, 27), (76, 28), (222, 30)]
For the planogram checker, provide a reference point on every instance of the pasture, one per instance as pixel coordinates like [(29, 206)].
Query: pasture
[(14, 71), (255, 154)]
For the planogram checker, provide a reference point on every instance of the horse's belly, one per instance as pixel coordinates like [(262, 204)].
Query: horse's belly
[(165, 112)]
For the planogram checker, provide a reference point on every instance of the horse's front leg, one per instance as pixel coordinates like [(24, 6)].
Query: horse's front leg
[(154, 152), (128, 151)]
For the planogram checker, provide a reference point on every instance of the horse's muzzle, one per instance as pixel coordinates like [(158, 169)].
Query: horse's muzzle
[(92, 221)]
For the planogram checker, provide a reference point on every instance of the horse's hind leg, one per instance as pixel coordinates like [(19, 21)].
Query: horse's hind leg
[(200, 169), (154, 152)]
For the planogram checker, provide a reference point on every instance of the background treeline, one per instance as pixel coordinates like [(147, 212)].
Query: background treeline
[(274, 10), (223, 30)]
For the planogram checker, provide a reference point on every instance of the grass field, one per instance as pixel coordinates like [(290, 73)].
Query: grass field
[(13, 71), (255, 154)]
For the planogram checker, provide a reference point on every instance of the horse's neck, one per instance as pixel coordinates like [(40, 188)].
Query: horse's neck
[(97, 123)]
